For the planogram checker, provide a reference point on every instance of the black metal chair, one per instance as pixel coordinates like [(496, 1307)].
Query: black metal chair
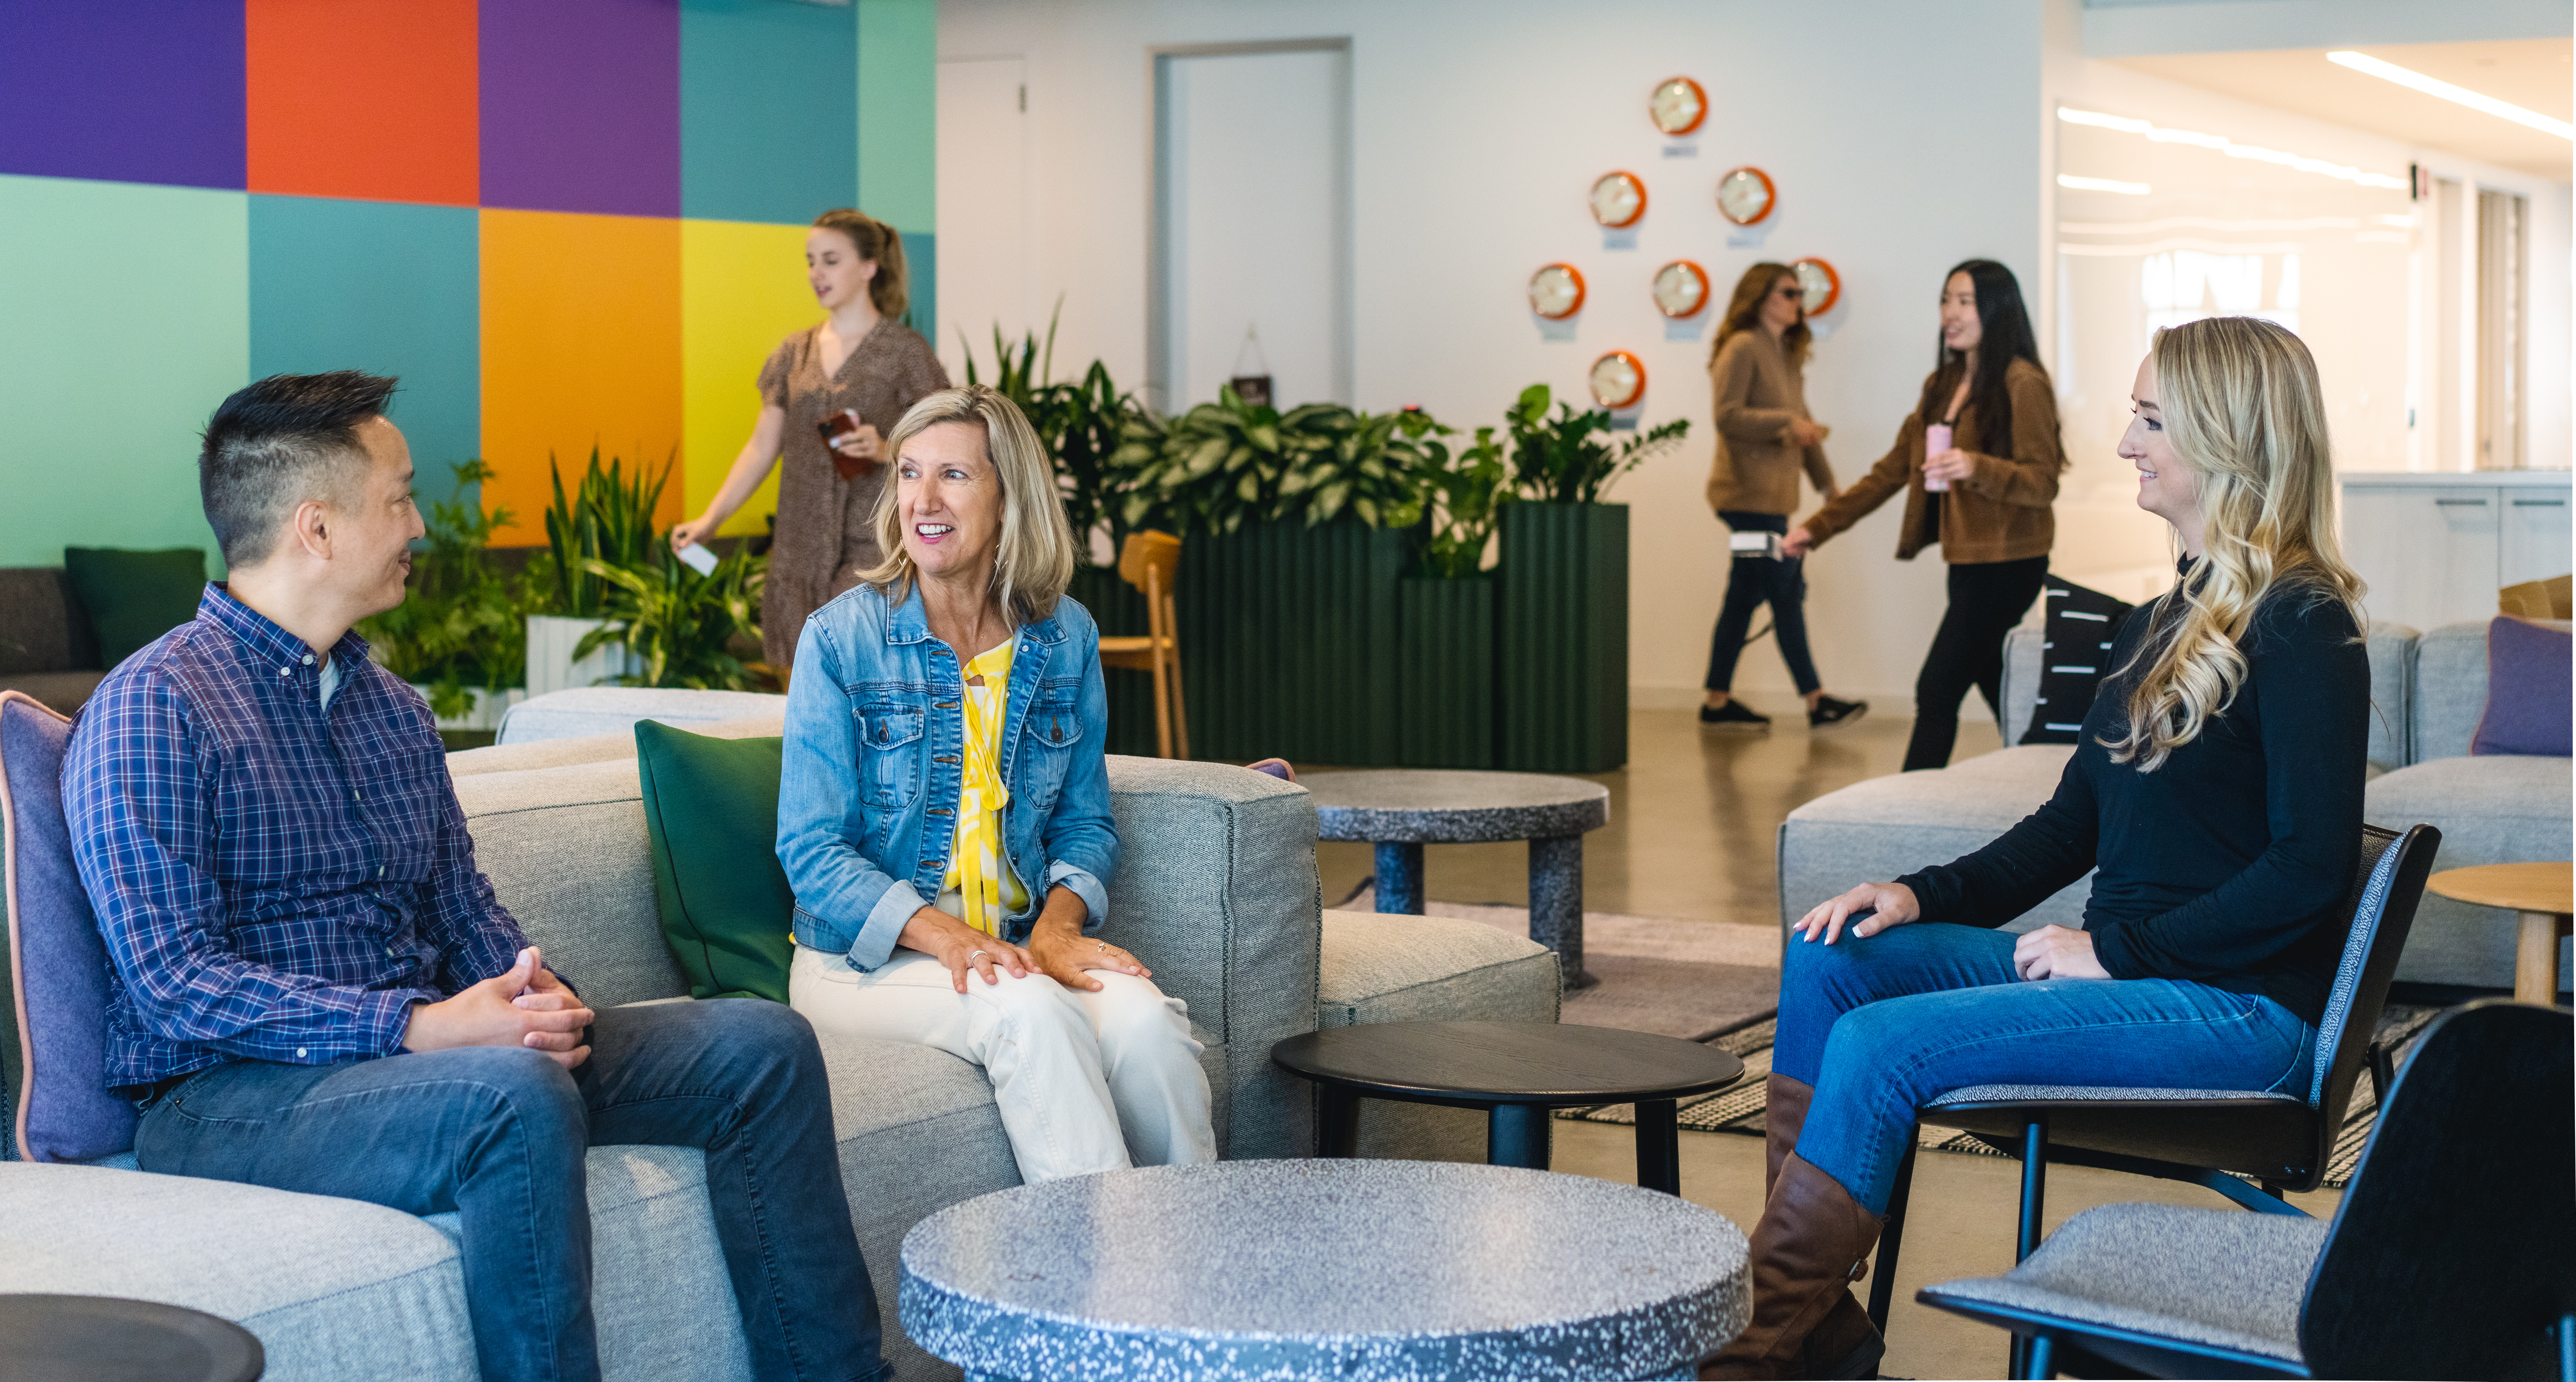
[(2202, 1136), (2449, 1256)]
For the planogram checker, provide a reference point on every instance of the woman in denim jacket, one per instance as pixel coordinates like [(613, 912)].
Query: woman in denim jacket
[(944, 816)]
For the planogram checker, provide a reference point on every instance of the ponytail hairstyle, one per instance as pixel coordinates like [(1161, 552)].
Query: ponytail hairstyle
[(891, 289), (2003, 325), (2244, 410), (1744, 312)]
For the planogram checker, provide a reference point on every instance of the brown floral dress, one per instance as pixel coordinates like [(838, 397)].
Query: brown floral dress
[(825, 533)]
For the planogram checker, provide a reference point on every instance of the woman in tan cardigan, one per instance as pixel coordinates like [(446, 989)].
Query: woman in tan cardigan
[(1764, 438), (1985, 497)]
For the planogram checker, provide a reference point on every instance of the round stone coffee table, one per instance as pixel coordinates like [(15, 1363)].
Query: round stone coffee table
[(1402, 809), (1340, 1270)]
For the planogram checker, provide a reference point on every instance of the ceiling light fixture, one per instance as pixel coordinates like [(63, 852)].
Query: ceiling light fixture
[(2162, 134), (2126, 189), (2431, 86)]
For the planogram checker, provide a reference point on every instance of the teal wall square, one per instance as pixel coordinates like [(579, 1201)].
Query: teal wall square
[(769, 98), (385, 287), (128, 312), (921, 266)]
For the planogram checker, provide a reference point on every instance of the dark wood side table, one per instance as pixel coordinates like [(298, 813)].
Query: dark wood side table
[(109, 1339), (1516, 1072)]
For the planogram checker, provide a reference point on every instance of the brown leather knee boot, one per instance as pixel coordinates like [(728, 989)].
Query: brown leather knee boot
[(1812, 1243), (1784, 1112)]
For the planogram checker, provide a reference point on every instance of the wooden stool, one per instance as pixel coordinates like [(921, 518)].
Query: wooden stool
[(2542, 893), (1151, 562)]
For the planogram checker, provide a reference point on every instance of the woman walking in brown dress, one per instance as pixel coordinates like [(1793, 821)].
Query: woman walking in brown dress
[(860, 358)]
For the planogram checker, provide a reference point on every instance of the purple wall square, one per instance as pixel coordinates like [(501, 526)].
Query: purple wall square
[(581, 106), (123, 90)]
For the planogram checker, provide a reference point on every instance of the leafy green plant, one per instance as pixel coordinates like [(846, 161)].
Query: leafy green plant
[(1467, 494), (1224, 464), (1081, 422), (679, 626), (608, 521), (1568, 458), (462, 624)]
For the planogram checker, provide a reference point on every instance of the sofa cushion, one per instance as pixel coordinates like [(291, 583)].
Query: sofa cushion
[(54, 1058), (565, 850), (2495, 809), (711, 814), (42, 625), (2450, 692), (594, 748), (595, 710), (1887, 826), (333, 1288), (66, 692), (134, 597), (2527, 690)]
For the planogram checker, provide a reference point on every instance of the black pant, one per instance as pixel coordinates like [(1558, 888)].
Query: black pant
[(1986, 599), (1750, 580)]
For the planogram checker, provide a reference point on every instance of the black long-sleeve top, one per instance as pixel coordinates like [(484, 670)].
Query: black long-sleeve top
[(2228, 865)]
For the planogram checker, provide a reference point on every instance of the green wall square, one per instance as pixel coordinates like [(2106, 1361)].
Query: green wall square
[(385, 287), (769, 99), (898, 112), (128, 311)]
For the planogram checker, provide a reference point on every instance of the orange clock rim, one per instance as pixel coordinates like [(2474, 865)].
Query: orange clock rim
[(1696, 272), (1696, 89), (1580, 290), (1633, 363), (1634, 217), (1833, 280), (1770, 194)]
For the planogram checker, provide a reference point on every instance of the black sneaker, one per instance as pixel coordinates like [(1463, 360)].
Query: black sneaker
[(1829, 712), (1733, 715)]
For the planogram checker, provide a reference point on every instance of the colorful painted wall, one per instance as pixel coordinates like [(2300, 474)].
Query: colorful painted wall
[(562, 222)]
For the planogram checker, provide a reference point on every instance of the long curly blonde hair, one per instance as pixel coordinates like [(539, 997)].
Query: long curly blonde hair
[(2243, 408)]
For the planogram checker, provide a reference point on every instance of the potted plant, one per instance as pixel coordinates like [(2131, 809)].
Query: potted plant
[(678, 628), (1564, 644), (459, 635), (608, 521), (1445, 669)]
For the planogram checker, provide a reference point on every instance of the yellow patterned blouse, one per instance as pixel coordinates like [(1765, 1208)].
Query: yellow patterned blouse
[(978, 872)]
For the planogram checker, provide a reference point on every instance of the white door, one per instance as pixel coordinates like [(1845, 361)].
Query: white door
[(983, 210), (1252, 221)]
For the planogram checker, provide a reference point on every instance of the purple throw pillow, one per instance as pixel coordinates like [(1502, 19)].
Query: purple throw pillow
[(2527, 690), (57, 962)]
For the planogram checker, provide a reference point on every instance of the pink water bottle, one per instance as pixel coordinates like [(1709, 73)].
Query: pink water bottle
[(1936, 439)]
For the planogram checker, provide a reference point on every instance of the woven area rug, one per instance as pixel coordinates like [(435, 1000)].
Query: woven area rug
[(1688, 979), (1739, 1109)]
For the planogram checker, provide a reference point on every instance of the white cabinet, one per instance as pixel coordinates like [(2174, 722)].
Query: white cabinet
[(2435, 548)]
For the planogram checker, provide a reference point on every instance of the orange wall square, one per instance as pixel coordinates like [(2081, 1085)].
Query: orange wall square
[(581, 346), (364, 98)]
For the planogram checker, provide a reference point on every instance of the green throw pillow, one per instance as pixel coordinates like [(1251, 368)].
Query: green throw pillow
[(135, 597), (711, 806)]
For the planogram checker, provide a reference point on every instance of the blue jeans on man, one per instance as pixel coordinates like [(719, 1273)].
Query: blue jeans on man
[(1881, 1025), (501, 1134)]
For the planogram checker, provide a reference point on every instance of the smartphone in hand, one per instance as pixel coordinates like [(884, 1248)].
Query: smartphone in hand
[(839, 428)]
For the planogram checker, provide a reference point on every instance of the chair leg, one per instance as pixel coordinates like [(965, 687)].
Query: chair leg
[(2567, 1347), (2034, 1189), (2040, 1356), (1154, 641), (1180, 703), (1882, 1284)]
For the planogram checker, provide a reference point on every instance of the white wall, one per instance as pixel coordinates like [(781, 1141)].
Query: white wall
[(1907, 142)]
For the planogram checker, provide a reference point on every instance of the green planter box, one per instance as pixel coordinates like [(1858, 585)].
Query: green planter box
[(1119, 609), (1288, 641), (1564, 668), (1445, 673)]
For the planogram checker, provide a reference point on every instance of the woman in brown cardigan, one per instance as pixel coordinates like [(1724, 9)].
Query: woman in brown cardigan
[(1764, 438), (1985, 498), (860, 358)]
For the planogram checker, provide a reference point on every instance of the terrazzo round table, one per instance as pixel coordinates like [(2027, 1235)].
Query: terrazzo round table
[(1402, 809), (1353, 1271)]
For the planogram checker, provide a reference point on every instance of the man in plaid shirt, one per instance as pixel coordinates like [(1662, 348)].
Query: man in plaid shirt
[(315, 989)]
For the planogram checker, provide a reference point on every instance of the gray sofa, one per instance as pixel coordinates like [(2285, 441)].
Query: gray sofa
[(2427, 692), (1216, 890), (46, 647)]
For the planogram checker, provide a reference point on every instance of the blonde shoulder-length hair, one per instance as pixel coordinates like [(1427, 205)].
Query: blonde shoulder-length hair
[(2241, 403), (1035, 561)]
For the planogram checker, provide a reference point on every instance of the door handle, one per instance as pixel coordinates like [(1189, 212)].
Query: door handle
[(2479, 503), (2540, 503)]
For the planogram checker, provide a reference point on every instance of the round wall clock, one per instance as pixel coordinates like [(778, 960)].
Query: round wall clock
[(1618, 380), (1556, 291), (1681, 289), (1619, 200), (1746, 196), (1678, 106), (1823, 286)]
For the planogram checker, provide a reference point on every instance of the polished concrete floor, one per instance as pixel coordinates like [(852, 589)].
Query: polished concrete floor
[(1693, 819)]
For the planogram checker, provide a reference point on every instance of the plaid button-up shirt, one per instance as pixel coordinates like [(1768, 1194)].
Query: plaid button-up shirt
[(275, 881)]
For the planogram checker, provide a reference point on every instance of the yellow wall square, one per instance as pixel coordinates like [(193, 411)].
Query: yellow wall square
[(742, 291)]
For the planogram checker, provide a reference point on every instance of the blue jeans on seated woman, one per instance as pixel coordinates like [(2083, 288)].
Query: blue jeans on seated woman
[(1882, 1025)]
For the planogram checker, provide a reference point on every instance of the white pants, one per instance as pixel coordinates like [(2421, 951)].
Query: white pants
[(1085, 1081)]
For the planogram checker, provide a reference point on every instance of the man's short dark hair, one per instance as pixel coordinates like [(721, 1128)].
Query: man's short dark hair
[(277, 443)]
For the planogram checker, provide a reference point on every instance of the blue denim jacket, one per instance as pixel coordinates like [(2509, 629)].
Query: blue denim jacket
[(867, 807)]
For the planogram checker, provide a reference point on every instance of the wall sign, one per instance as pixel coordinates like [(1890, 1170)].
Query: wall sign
[(1618, 380), (1823, 286), (1746, 196), (1556, 291), (1678, 106), (1619, 200), (1681, 289)]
